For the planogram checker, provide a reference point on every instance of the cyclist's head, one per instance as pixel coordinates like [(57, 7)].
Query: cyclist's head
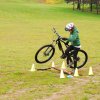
[(69, 27)]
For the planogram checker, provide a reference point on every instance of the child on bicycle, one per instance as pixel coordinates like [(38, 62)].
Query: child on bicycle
[(73, 38)]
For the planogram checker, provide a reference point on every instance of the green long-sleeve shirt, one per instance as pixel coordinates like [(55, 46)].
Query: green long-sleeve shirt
[(74, 38)]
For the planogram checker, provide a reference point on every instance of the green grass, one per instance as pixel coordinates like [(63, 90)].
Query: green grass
[(24, 28)]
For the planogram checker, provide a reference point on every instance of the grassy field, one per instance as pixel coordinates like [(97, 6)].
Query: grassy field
[(24, 27)]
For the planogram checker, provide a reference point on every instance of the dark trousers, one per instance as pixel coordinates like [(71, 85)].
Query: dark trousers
[(75, 53)]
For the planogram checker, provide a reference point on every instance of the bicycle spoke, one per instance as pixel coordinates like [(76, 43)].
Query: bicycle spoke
[(81, 59), (44, 54)]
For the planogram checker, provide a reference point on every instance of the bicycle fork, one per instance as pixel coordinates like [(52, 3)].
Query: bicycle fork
[(60, 47)]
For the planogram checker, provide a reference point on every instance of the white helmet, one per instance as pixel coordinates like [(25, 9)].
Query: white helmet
[(69, 26)]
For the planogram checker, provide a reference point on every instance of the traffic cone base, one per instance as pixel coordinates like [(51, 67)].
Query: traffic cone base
[(62, 74), (63, 65), (53, 64), (76, 72), (90, 71), (33, 68)]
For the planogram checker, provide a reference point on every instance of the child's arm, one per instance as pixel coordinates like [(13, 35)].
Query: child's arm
[(72, 38)]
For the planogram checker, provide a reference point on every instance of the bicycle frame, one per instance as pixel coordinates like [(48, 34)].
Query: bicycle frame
[(71, 59), (59, 40)]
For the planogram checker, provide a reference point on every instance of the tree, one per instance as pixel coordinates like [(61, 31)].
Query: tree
[(79, 5)]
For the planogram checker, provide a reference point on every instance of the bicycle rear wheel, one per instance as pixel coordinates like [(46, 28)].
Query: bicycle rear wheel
[(44, 54), (81, 59)]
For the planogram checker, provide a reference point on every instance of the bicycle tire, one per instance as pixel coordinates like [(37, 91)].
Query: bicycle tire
[(52, 51), (69, 59)]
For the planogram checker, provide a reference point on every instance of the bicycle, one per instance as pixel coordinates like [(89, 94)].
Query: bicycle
[(46, 52)]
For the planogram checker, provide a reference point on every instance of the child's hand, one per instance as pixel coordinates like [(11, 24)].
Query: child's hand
[(67, 43), (64, 38)]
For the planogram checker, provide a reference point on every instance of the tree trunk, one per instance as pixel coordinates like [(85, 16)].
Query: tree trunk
[(91, 5), (79, 5)]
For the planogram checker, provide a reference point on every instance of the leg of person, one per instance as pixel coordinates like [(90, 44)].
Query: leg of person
[(67, 51), (75, 56)]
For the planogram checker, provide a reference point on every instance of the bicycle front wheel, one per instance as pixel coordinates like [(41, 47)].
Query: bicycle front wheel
[(81, 59), (44, 54)]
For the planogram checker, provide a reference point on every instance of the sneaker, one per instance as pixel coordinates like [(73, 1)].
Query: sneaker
[(63, 56)]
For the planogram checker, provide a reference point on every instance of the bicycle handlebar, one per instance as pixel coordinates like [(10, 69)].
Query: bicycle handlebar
[(54, 30), (59, 37)]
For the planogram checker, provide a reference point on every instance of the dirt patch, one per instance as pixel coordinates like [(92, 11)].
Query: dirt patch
[(12, 94), (68, 89), (79, 82)]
